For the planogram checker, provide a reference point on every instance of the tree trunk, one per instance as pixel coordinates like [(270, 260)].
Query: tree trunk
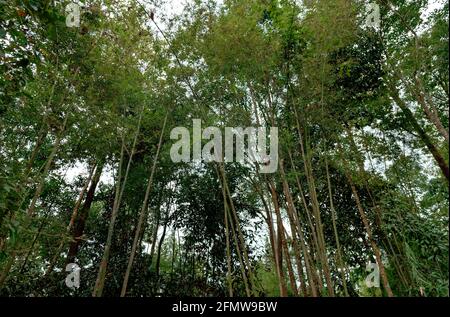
[(366, 224), (120, 187), (422, 134), (226, 196), (142, 214), (429, 109), (239, 232), (336, 236), (161, 241), (71, 222), (80, 223), (280, 239), (31, 208)]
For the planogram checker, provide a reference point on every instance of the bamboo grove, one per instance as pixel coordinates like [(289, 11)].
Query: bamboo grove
[(86, 176)]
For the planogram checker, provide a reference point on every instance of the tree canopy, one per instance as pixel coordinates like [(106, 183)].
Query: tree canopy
[(86, 175)]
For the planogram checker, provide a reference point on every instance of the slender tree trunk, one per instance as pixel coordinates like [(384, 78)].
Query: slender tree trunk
[(80, 223), (376, 207), (32, 207), (290, 269), (71, 222), (273, 242), (239, 232), (40, 140), (293, 220), (242, 263), (161, 241), (174, 253), (429, 108), (155, 236), (291, 211), (120, 187), (366, 224), (422, 134), (227, 239), (375, 248), (314, 246), (142, 214), (99, 283), (36, 237), (315, 206), (281, 242), (336, 235)]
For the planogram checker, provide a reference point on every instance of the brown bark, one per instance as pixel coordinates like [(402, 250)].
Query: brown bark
[(71, 222), (80, 222)]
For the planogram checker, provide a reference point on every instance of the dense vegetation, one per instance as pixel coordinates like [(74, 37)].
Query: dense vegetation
[(86, 175)]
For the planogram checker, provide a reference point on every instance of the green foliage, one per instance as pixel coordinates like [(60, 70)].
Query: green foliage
[(361, 157)]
